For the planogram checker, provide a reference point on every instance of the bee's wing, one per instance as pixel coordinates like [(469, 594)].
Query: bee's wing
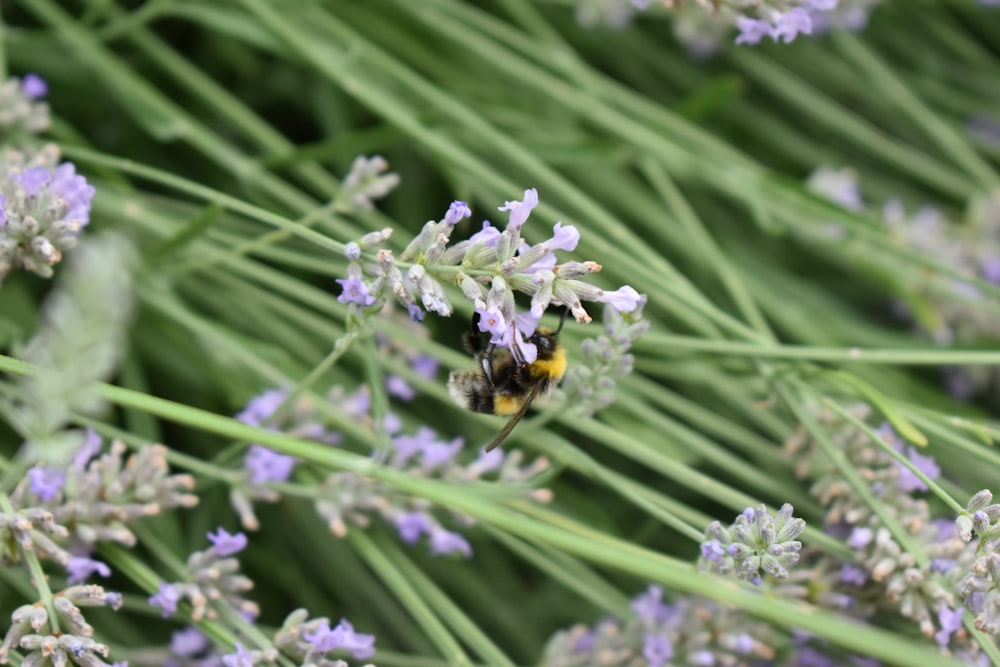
[(509, 426)]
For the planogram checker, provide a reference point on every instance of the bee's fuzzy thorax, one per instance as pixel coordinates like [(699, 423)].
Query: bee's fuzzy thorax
[(552, 367)]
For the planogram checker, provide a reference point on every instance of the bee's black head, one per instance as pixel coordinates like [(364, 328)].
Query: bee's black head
[(545, 340)]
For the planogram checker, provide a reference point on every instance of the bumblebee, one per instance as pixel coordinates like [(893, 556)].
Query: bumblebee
[(503, 384)]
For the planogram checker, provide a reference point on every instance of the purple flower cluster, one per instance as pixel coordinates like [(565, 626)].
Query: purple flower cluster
[(490, 266), (702, 26), (883, 575), (212, 579), (308, 641), (946, 309), (348, 497), (689, 631), (63, 640), (22, 110), (590, 383), (43, 209), (979, 587), (755, 541), (44, 205), (62, 511)]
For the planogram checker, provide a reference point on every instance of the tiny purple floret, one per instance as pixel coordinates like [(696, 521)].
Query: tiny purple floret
[(446, 542), (225, 544), (411, 526), (456, 212), (791, 24), (46, 482), (81, 567), (166, 599), (354, 291), (752, 30), (267, 465), (34, 86)]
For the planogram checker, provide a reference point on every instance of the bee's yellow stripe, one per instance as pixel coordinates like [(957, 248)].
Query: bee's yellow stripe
[(507, 405), (553, 368)]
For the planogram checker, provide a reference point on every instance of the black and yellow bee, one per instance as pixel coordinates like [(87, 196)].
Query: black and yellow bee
[(503, 385)]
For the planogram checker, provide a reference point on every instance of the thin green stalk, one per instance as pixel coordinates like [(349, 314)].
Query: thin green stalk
[(896, 91), (792, 393), (39, 580), (653, 341), (841, 120), (902, 460), (410, 597), (697, 231), (447, 610)]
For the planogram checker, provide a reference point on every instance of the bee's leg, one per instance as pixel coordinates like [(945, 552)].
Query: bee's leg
[(515, 352), (562, 319), (474, 338), (486, 362)]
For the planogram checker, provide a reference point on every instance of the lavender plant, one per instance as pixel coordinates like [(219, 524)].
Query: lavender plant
[(200, 128), (490, 267), (913, 566), (702, 25), (756, 541), (948, 310), (347, 497)]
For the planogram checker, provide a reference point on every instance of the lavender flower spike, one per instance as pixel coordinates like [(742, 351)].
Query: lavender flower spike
[(43, 209), (756, 541)]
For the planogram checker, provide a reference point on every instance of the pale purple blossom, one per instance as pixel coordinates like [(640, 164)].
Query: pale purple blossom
[(624, 299), (492, 321), (90, 448), (752, 30), (355, 291), (488, 235), (657, 649), (520, 210), (951, 621), (34, 179), (437, 453), (188, 642), (425, 366), (74, 190), (241, 658), (563, 238), (456, 212), (34, 86), (398, 387), (712, 550), (852, 574), (488, 461), (46, 481), (926, 464), (412, 525), (166, 598), (408, 446), (990, 268), (649, 606), (342, 637), (445, 542), (260, 408), (80, 568), (791, 24), (267, 465), (860, 538), (225, 544)]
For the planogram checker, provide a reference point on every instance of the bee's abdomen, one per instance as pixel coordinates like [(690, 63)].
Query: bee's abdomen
[(471, 390)]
